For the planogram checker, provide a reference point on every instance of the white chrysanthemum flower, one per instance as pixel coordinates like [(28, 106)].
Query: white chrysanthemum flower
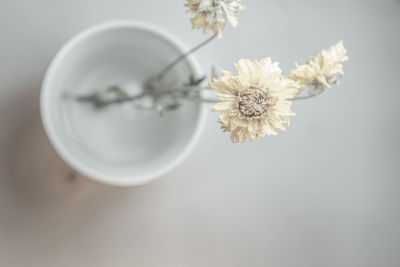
[(256, 101), (321, 71), (213, 14)]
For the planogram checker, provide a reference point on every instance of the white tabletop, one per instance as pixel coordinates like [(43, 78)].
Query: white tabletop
[(324, 193)]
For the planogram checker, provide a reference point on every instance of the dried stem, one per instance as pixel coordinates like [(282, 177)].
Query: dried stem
[(178, 93), (307, 96), (183, 56), (99, 100)]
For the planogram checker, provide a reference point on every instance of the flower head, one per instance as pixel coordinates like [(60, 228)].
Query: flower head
[(256, 101), (213, 14), (321, 71)]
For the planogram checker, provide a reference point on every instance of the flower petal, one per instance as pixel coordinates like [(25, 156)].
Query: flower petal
[(221, 106)]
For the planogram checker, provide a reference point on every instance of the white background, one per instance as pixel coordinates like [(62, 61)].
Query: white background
[(324, 193)]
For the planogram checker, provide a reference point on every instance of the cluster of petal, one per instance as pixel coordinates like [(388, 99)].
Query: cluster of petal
[(321, 71), (213, 14), (256, 101)]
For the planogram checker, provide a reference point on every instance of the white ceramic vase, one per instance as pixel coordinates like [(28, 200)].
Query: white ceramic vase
[(120, 145)]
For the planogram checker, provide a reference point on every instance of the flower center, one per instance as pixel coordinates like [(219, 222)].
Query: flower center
[(253, 103), (216, 11)]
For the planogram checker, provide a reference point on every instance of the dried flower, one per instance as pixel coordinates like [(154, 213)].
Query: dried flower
[(256, 101), (213, 14), (321, 71)]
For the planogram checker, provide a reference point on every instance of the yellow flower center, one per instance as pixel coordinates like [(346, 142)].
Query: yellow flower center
[(253, 103)]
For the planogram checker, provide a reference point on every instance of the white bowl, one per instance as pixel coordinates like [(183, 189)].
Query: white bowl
[(119, 145)]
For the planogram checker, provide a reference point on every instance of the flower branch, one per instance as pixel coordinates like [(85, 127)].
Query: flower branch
[(183, 56), (253, 103)]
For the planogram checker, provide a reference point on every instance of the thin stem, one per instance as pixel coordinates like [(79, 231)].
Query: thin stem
[(302, 97), (183, 56), (184, 93), (306, 97), (98, 102)]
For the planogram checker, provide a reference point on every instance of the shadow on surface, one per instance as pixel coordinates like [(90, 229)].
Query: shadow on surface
[(37, 174), (46, 205)]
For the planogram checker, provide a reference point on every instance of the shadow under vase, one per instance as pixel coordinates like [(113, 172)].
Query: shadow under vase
[(37, 173)]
